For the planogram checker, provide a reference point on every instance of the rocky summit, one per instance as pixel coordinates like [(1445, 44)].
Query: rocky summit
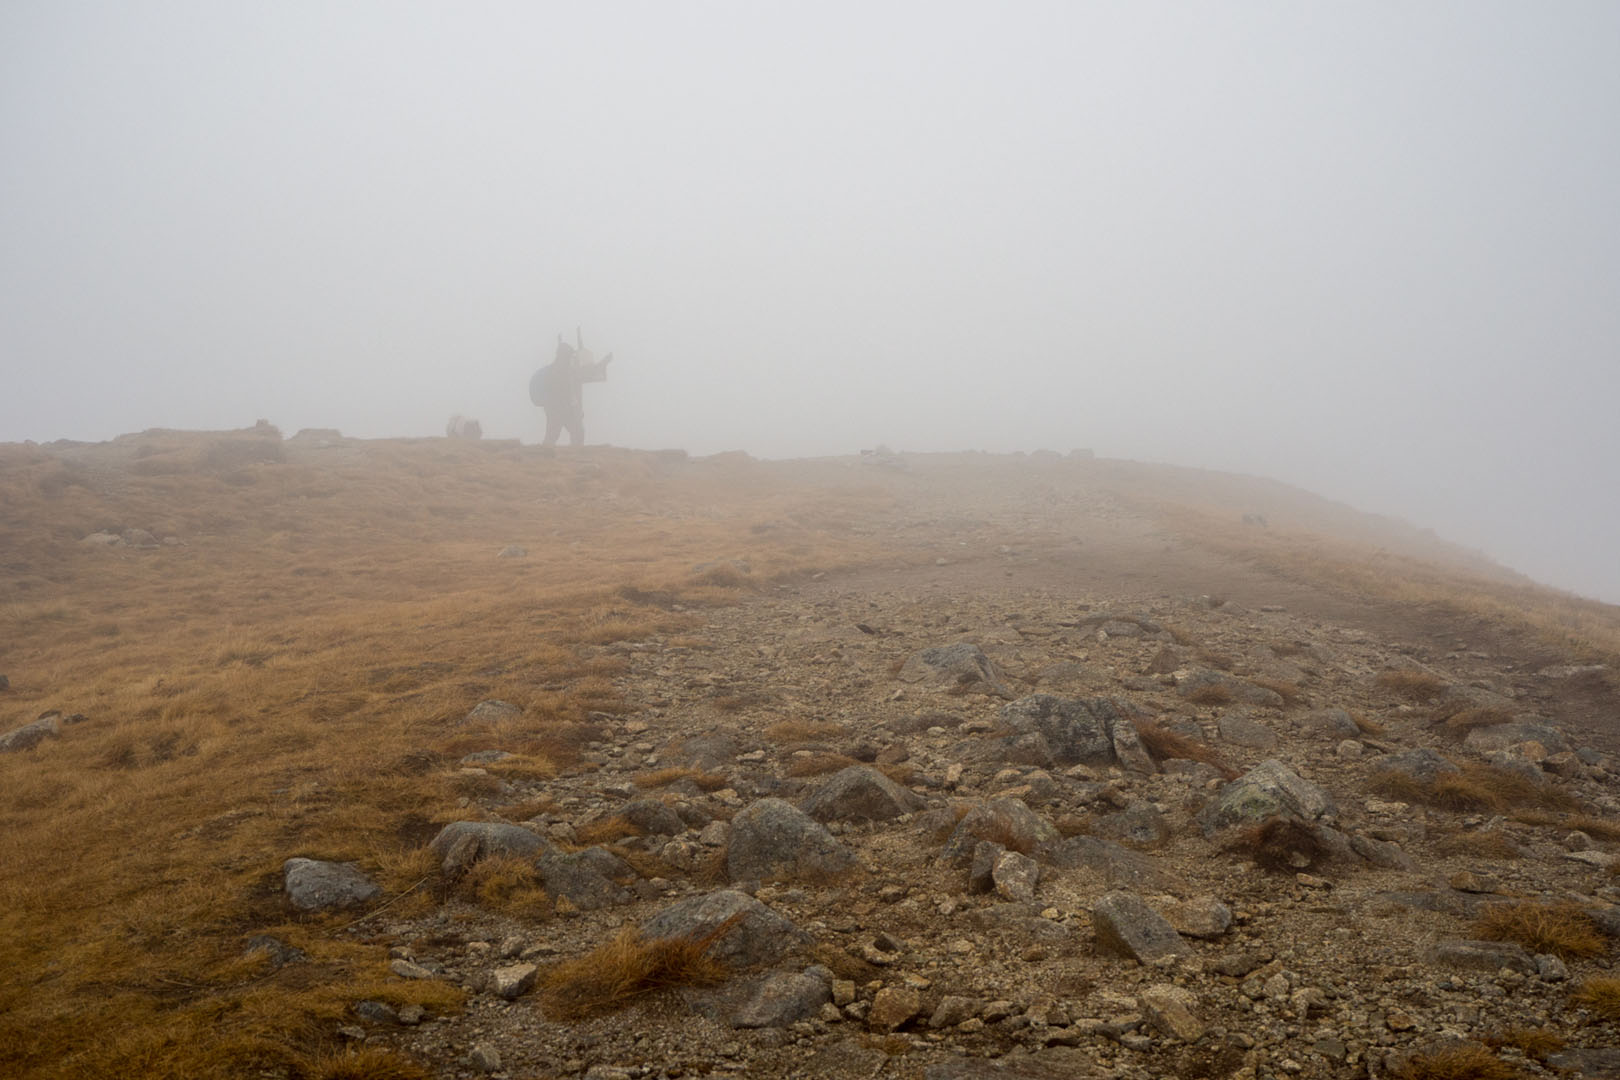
[(965, 767)]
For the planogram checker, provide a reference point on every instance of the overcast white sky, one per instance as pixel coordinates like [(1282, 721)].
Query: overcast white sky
[(1370, 248)]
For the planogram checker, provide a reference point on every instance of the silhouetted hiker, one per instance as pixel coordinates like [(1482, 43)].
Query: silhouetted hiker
[(558, 389)]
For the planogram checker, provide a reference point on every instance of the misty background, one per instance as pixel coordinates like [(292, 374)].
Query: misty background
[(1370, 249)]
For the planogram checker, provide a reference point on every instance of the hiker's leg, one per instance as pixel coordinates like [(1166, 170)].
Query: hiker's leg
[(554, 426)]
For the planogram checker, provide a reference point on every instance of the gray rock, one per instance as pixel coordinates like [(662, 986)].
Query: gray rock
[(590, 879), (706, 752), (1124, 924), (780, 998), (982, 868), (1267, 790), (952, 666), (1058, 1063), (759, 936), (1330, 724), (492, 712), (774, 840), (1115, 865), (512, 551), (1243, 731), (1550, 968), (1201, 917), (1173, 1010), (280, 953), (1501, 736), (1489, 956), (1083, 731), (313, 885), (1235, 691), (376, 1012), (1015, 876), (1383, 853), (1128, 749), (1007, 822), (1139, 825), (652, 817), (486, 838), (860, 793), (512, 981), (952, 1010), (1597, 1063), (103, 539), (31, 735), (484, 1057)]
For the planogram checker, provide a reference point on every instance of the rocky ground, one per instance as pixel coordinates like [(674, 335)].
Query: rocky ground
[(994, 878)]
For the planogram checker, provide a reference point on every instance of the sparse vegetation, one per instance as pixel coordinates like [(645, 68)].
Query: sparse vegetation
[(1563, 929), (1462, 1061), (1458, 718), (657, 778), (1531, 1042), (1289, 692), (1282, 844), (817, 764), (628, 968), (792, 732), (1162, 744), (1475, 788), (1416, 686), (1211, 694), (1600, 996)]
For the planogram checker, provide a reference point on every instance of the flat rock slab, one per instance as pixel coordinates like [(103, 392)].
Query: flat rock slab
[(313, 885), (1126, 926), (1484, 956), (861, 793)]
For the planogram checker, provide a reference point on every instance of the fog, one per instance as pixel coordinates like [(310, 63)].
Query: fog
[(1370, 249)]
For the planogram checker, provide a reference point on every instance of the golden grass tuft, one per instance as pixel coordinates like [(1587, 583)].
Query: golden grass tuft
[(1458, 718), (366, 1063), (1162, 744), (790, 732), (628, 968), (1477, 844), (1565, 930), (1536, 1043), (1600, 995), (657, 778), (818, 764), (507, 886), (1416, 686), (1372, 729), (607, 830), (1596, 827), (1289, 692), (1477, 788), (1463, 1061)]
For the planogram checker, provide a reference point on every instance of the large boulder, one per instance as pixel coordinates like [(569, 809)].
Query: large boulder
[(470, 841), (758, 936), (30, 735), (1270, 789), (589, 879), (1125, 925), (774, 840), (1007, 822), (951, 666), (314, 885), (1078, 731), (860, 793)]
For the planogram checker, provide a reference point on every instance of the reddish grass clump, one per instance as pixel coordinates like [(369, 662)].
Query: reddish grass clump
[(1418, 686), (1537, 1043), (1600, 996), (1563, 929), (628, 968), (367, 1063), (1464, 1061), (1279, 843), (1475, 788), (1162, 744), (706, 781), (818, 764)]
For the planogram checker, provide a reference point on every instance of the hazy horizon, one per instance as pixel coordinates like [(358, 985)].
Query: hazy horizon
[(1373, 252)]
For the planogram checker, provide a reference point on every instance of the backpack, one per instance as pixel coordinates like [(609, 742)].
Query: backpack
[(540, 384)]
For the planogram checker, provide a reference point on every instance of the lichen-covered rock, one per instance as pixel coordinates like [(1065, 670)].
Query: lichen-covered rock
[(589, 879), (1270, 789)]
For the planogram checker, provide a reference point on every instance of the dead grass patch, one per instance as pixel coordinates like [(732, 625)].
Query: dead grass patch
[(789, 732), (818, 764), (1279, 844), (1162, 744), (1463, 1061), (628, 968), (1563, 929), (1458, 718), (1535, 1043), (1596, 827), (1289, 692), (730, 703), (606, 831), (1220, 661), (1482, 844), (1477, 788), (1414, 686), (1599, 995), (1372, 729), (1211, 694), (657, 778), (366, 1063)]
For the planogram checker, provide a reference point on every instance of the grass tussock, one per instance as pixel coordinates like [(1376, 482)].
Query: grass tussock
[(1477, 788), (818, 764), (790, 732), (1480, 844), (1372, 729), (1289, 692), (1596, 827), (1162, 744), (1280, 844), (1600, 996), (1535, 1043), (1211, 694), (1419, 687), (1220, 661), (366, 1063), (1463, 1061), (506, 886), (629, 968), (659, 778), (1565, 930), (606, 831), (1458, 718)]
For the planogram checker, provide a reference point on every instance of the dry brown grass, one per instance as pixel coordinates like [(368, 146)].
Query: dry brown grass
[(818, 764), (1477, 844), (1416, 686), (1211, 694), (607, 830), (1218, 660), (1563, 929), (1536, 1043), (1368, 727), (1476, 788), (657, 778), (790, 732), (1458, 718), (292, 681), (1600, 995), (1463, 1061), (1289, 692), (628, 968), (1596, 827), (1279, 844), (366, 1063), (1162, 744)]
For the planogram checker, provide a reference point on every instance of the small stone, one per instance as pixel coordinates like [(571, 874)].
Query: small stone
[(843, 992), (405, 969), (1470, 882), (1399, 1021), (893, 1006), (1015, 876), (513, 981), (485, 1058), (1550, 968), (1171, 1009)]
